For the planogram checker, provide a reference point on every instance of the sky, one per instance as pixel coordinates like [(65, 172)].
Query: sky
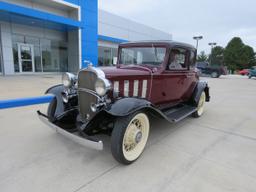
[(216, 20)]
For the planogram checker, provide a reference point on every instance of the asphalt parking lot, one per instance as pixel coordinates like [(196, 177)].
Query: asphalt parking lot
[(216, 152)]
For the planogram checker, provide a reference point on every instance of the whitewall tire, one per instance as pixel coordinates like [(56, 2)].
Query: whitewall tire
[(200, 105), (129, 137)]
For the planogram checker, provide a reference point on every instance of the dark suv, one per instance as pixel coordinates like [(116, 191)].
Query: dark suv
[(213, 71)]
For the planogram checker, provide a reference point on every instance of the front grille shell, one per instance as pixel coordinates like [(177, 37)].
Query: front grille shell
[(86, 93)]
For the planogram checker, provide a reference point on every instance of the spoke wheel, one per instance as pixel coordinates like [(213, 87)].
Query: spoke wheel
[(200, 105), (129, 137)]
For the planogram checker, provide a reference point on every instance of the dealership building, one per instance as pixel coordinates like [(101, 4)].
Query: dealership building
[(45, 36)]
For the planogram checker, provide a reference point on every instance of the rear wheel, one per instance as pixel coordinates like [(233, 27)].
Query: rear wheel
[(200, 106), (215, 74), (129, 137)]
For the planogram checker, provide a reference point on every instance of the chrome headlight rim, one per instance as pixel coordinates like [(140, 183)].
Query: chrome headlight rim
[(102, 86), (68, 80)]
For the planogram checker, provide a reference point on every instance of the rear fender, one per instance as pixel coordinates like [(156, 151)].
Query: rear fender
[(201, 86)]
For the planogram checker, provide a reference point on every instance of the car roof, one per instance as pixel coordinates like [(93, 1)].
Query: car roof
[(170, 43)]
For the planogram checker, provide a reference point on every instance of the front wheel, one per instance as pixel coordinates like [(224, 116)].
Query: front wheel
[(200, 106), (129, 137)]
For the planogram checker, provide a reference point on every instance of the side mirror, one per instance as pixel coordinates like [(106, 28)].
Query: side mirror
[(114, 60)]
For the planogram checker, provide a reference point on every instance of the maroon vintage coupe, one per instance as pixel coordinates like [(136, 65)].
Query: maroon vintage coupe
[(151, 78)]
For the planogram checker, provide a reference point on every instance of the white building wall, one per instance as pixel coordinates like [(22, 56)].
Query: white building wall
[(118, 27), (7, 52), (57, 7)]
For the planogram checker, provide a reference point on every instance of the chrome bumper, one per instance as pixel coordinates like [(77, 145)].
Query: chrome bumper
[(98, 145)]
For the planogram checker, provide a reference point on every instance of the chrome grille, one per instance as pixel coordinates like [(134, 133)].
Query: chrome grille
[(86, 80)]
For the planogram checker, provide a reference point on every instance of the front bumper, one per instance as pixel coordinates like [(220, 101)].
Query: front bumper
[(98, 145)]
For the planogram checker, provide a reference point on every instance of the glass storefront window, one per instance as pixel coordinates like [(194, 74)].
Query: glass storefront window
[(49, 55), (37, 59), (15, 57), (106, 56), (32, 40), (18, 39), (54, 56), (1, 57)]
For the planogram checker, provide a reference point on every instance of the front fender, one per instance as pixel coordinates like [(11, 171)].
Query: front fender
[(201, 86), (56, 107), (126, 106)]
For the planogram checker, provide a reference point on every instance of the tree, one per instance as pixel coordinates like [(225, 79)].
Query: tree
[(248, 57), (217, 56), (202, 57), (237, 55)]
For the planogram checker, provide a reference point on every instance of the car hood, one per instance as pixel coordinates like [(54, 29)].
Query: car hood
[(112, 72)]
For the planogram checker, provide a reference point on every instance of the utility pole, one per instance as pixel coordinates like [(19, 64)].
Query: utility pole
[(212, 44), (197, 38)]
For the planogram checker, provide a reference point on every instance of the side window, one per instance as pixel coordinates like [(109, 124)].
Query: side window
[(192, 59), (178, 59)]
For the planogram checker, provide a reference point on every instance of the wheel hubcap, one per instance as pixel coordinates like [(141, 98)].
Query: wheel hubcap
[(138, 137), (214, 74)]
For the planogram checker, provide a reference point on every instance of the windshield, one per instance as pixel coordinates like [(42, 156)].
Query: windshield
[(142, 56)]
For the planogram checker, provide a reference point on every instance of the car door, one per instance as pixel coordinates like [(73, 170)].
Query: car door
[(191, 76), (174, 81)]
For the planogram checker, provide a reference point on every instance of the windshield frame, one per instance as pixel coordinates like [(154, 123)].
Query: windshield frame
[(142, 46)]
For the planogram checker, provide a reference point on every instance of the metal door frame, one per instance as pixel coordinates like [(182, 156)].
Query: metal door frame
[(1, 55), (32, 57)]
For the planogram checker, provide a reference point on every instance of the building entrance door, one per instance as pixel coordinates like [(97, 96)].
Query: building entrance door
[(26, 58)]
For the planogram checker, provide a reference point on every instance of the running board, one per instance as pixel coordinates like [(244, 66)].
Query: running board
[(177, 114)]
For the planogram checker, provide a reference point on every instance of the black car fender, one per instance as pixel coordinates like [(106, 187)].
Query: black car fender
[(56, 106), (200, 87), (127, 106)]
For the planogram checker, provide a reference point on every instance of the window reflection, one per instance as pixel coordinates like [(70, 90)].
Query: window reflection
[(1, 57), (49, 55), (107, 56)]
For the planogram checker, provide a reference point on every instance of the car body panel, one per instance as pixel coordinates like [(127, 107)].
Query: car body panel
[(252, 72), (244, 72)]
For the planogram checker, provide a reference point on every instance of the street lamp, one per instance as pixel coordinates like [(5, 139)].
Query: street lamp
[(197, 38), (212, 44)]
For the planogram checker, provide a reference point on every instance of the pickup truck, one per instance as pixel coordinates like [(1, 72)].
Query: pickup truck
[(214, 71)]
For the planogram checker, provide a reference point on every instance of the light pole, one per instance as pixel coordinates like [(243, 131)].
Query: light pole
[(212, 44), (197, 38)]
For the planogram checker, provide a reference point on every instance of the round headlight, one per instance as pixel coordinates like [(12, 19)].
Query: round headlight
[(102, 86), (68, 80)]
